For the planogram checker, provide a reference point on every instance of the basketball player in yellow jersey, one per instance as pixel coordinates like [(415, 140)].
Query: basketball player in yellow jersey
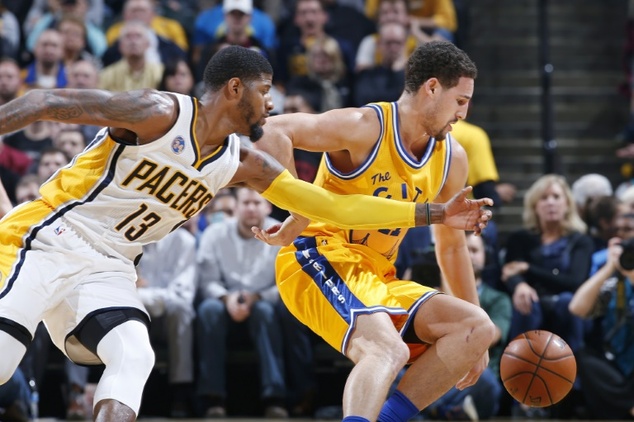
[(342, 283), (68, 257)]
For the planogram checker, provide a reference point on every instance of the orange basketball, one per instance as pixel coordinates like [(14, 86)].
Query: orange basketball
[(538, 368)]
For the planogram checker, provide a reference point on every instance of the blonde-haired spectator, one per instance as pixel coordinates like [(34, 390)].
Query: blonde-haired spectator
[(327, 75), (547, 261)]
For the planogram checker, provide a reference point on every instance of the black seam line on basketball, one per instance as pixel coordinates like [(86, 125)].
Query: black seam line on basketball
[(519, 358), (530, 384)]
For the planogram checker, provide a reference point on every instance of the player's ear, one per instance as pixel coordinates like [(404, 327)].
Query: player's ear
[(234, 86), (431, 86)]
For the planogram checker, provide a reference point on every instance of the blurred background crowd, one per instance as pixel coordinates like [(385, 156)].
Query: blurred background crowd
[(556, 256)]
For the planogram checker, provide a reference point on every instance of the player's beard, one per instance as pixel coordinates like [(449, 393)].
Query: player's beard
[(255, 129), (440, 136), (256, 132)]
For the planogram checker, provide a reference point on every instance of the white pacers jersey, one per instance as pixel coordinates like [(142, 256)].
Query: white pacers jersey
[(120, 197)]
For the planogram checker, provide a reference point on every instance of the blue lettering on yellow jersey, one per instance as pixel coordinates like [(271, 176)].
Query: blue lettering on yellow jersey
[(389, 172)]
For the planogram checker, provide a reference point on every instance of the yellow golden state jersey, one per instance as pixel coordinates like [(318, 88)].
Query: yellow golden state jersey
[(120, 197), (388, 172)]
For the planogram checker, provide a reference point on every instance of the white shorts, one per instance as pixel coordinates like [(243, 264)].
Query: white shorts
[(61, 279)]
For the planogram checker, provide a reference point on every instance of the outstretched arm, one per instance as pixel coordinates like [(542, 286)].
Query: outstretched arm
[(146, 112), (262, 173), (453, 255)]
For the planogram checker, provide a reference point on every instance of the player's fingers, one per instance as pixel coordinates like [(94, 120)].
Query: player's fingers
[(466, 190), (261, 235), (467, 381), (462, 195), (483, 202)]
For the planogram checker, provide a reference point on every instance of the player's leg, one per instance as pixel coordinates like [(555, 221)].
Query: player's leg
[(128, 357), (459, 334), (102, 320), (341, 298), (379, 354), (23, 300), (12, 352)]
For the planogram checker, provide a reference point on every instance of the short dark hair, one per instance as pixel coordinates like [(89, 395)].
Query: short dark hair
[(235, 62), (441, 60)]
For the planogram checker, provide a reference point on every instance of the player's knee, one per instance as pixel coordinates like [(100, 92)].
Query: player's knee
[(12, 353), (394, 357), (140, 360), (399, 352), (7, 368), (5, 375), (127, 349), (393, 353), (481, 328)]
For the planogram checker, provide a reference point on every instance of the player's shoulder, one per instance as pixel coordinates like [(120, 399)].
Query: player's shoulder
[(364, 120), (458, 151)]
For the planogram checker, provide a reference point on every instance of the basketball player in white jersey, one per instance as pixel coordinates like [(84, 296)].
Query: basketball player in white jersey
[(68, 257)]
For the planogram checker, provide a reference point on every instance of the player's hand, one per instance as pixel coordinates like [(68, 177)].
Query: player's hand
[(467, 214), (475, 372), (282, 234)]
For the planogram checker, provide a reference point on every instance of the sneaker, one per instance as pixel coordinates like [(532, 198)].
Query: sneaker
[(275, 412), (216, 412)]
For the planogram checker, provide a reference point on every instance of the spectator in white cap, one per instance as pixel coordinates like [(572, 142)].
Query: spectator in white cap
[(244, 6), (236, 29), (210, 22)]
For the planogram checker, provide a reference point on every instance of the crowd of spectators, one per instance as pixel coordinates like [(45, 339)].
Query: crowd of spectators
[(560, 272)]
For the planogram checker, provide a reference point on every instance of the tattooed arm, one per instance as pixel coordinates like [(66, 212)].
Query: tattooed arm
[(147, 113), (261, 172)]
